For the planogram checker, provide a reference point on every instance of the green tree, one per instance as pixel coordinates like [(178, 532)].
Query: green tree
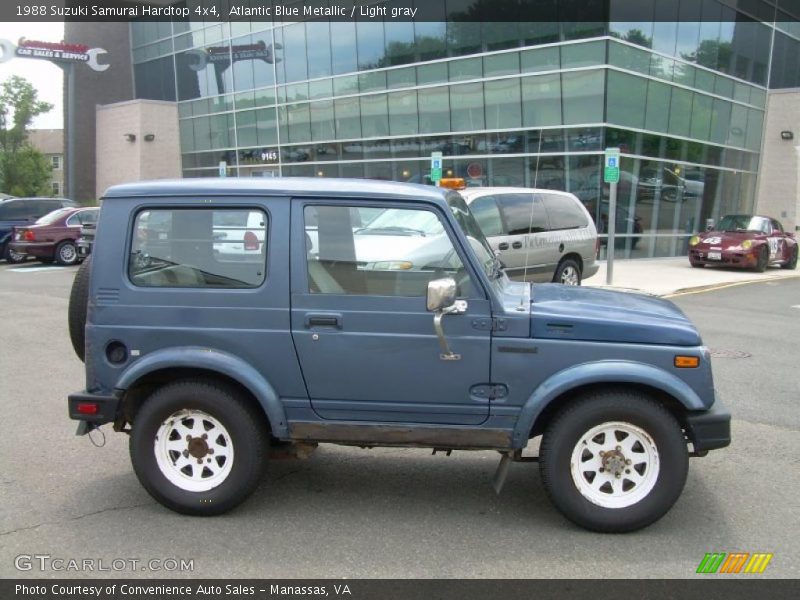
[(24, 171)]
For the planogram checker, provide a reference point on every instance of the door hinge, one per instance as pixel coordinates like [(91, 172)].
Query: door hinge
[(489, 324)]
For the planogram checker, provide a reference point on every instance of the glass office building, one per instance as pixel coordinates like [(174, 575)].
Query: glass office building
[(522, 102)]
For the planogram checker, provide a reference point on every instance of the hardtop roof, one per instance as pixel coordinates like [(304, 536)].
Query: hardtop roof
[(290, 186)]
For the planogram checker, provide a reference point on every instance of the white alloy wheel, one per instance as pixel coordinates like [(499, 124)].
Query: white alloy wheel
[(570, 276), (67, 254), (615, 464), (193, 450)]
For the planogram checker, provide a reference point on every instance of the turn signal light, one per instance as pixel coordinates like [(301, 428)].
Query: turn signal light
[(88, 408), (687, 362)]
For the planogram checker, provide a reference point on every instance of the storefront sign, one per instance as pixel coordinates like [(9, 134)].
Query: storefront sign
[(58, 52)]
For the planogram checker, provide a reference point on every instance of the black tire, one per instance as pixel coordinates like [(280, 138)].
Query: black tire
[(564, 433), (66, 254), (792, 262), (763, 260), (76, 315), (12, 257), (568, 272), (696, 265), (248, 437)]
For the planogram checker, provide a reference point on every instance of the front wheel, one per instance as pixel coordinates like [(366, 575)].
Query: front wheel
[(568, 273), (614, 461), (763, 260), (198, 448), (792, 262)]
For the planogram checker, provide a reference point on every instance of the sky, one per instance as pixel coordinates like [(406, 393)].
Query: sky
[(45, 76)]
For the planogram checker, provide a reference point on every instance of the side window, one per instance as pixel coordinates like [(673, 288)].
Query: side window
[(88, 216), (74, 220), (776, 227), (524, 213), (564, 212), (388, 252), (199, 248), (486, 213)]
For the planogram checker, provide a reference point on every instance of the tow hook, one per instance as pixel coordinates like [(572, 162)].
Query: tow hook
[(86, 428)]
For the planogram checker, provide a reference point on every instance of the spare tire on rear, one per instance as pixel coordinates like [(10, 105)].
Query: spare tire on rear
[(78, 300)]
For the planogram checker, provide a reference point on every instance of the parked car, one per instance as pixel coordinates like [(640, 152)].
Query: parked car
[(53, 237), (541, 235), (85, 240), (206, 363), (24, 211), (744, 241)]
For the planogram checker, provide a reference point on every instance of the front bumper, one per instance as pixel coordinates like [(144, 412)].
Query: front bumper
[(709, 429), (107, 407), (728, 258)]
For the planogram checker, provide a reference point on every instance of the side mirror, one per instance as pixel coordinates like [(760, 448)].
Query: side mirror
[(441, 294)]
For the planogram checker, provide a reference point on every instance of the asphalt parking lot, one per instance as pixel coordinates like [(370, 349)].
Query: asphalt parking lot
[(391, 512)]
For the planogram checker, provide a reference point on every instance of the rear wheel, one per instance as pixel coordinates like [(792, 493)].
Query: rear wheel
[(66, 253), (792, 262), (568, 272), (198, 448), (614, 461), (763, 260), (13, 256)]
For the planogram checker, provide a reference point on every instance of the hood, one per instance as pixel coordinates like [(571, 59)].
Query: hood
[(569, 312), (725, 239)]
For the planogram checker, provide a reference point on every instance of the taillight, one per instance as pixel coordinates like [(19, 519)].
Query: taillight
[(28, 235), (250, 241), (87, 408)]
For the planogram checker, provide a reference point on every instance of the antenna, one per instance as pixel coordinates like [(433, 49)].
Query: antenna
[(530, 221)]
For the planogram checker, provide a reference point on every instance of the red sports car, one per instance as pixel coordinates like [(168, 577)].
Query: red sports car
[(746, 241), (52, 238)]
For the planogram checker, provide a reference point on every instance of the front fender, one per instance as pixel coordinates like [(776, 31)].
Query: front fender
[(610, 371), (212, 360)]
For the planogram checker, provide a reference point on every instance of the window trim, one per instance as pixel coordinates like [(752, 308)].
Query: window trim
[(134, 215)]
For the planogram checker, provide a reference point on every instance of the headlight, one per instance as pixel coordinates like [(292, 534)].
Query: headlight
[(747, 244), (694, 240)]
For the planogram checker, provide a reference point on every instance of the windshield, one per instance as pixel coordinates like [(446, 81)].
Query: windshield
[(52, 217), (472, 230), (741, 223)]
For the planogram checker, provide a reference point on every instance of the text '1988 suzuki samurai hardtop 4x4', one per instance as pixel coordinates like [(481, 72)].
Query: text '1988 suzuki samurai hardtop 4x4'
[(220, 318)]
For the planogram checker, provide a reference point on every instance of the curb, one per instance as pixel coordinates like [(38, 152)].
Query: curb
[(721, 286)]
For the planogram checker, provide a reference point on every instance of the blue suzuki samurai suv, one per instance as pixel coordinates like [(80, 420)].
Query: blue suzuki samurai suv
[(219, 319)]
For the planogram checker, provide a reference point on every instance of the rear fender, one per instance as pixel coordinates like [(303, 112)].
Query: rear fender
[(192, 357)]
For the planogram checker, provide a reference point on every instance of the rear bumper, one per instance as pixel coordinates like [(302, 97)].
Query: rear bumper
[(107, 407), (45, 249), (709, 429)]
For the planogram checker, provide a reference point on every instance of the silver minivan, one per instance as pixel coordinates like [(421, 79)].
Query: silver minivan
[(541, 235)]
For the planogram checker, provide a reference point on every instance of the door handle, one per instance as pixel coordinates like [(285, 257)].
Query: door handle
[(323, 320), (503, 246), (516, 245)]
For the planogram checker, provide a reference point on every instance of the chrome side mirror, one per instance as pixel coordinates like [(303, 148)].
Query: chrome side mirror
[(441, 300), (441, 294)]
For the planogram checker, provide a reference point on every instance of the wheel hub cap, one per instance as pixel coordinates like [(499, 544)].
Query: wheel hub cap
[(197, 447)]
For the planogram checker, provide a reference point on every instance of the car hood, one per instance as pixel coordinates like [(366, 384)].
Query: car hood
[(726, 238), (579, 313)]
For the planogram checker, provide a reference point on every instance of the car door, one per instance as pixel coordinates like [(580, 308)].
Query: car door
[(365, 341), (777, 241)]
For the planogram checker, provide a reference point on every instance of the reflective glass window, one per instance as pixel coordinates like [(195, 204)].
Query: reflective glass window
[(434, 110), (583, 97), (430, 36), (266, 127), (466, 107), (246, 128), (322, 121), (541, 100), (318, 56), (701, 116), (299, 122), (348, 118), (399, 39), (487, 214), (343, 47), (374, 115), (433, 73), (657, 111), (403, 113), (627, 97), (503, 103), (295, 61), (582, 55), (468, 68), (506, 63), (680, 111), (371, 45), (720, 121), (539, 59), (400, 78)]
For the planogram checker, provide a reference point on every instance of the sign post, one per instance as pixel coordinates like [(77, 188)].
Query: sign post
[(436, 167), (611, 176)]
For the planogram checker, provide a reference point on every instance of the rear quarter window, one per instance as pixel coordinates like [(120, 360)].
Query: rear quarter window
[(199, 248), (564, 212)]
